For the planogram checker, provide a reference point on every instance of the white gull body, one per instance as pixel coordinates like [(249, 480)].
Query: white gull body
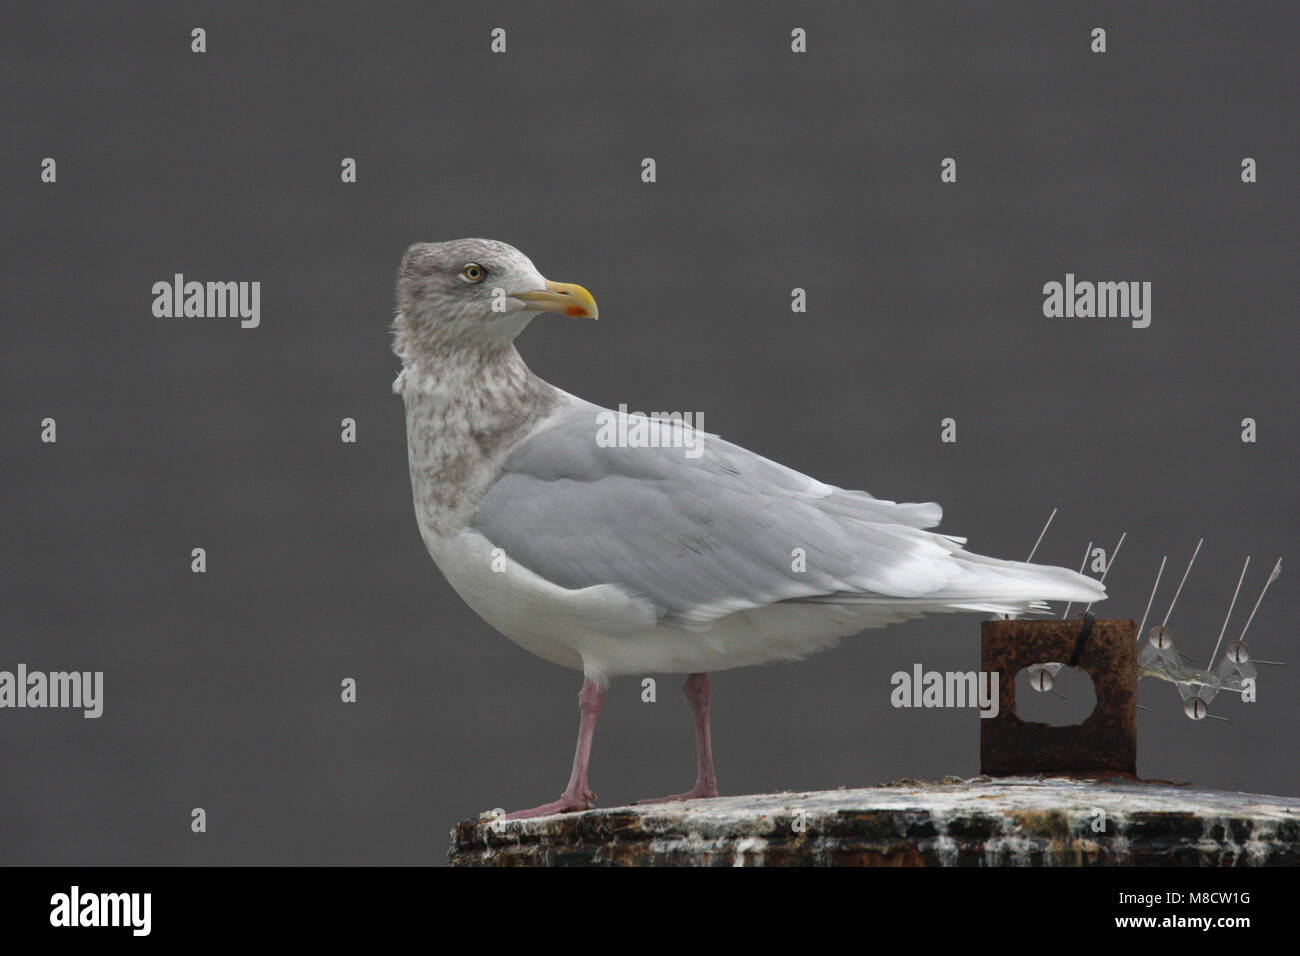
[(617, 561)]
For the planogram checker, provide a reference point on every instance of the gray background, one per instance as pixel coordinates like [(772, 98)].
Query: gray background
[(775, 171)]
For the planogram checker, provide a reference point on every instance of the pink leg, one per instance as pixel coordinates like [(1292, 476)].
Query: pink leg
[(576, 796), (706, 780)]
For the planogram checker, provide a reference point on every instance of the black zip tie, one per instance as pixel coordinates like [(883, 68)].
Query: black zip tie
[(1083, 636)]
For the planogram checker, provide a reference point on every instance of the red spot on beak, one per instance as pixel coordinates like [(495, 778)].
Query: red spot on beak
[(575, 311)]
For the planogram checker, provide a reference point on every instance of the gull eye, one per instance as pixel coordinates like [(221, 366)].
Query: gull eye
[(473, 272)]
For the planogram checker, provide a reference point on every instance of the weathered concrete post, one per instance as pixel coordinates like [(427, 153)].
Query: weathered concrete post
[(1017, 821)]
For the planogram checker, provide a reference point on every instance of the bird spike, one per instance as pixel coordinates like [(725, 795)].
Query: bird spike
[(1236, 673), (1152, 598), (1233, 603), (1083, 564), (1182, 582), (1041, 534), (1273, 576)]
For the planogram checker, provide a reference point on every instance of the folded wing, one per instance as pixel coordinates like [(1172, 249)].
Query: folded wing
[(704, 535)]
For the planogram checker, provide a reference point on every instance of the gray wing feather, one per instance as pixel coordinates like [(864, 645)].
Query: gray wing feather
[(706, 536)]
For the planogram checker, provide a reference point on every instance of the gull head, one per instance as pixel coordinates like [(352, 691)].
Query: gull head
[(477, 294)]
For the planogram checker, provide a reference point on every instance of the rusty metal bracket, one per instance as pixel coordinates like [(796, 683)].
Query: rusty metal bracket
[(1106, 742)]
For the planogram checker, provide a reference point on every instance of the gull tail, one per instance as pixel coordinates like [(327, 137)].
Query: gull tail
[(1005, 586), (981, 583)]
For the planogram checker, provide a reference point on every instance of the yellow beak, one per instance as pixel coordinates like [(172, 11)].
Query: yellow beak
[(562, 297)]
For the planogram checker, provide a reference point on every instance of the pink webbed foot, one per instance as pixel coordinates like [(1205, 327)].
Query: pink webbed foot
[(698, 792), (568, 803)]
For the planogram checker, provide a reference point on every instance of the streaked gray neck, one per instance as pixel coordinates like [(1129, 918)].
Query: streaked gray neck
[(465, 410)]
